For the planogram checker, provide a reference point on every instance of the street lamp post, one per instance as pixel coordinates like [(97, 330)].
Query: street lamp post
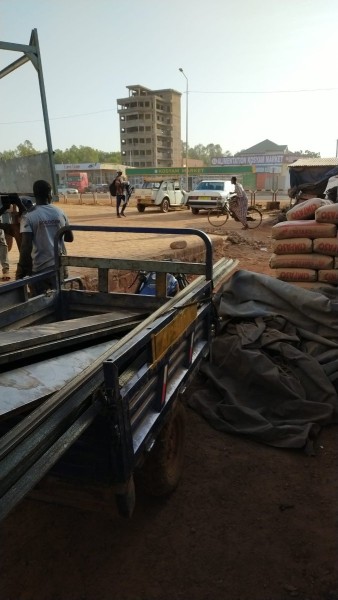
[(186, 128)]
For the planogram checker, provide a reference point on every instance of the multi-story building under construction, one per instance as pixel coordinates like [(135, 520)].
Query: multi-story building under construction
[(150, 127)]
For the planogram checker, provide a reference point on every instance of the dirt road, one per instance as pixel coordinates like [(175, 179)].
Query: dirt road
[(247, 522)]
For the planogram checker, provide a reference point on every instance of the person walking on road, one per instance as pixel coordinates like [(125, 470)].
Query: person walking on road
[(118, 184), (239, 202), (38, 228), (127, 192)]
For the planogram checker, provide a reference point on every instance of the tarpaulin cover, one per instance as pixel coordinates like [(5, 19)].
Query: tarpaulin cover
[(274, 366), (311, 175)]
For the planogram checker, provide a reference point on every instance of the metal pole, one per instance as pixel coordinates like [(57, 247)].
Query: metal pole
[(38, 66), (186, 128)]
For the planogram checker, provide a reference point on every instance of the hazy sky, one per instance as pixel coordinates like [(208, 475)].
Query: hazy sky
[(257, 69)]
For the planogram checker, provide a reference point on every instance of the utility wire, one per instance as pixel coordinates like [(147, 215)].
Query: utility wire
[(334, 89), (105, 110)]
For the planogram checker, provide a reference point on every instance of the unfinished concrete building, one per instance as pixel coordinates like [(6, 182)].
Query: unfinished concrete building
[(150, 127)]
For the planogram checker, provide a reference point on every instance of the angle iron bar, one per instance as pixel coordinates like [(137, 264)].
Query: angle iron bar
[(23, 313), (91, 336)]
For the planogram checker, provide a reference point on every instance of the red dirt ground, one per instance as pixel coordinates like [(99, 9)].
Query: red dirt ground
[(247, 522)]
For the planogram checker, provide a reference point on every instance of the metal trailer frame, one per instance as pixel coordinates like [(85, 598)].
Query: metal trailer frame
[(31, 52), (131, 387)]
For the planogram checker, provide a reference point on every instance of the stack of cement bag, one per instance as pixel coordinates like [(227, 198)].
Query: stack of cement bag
[(305, 247)]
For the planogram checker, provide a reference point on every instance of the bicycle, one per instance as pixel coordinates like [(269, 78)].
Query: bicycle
[(219, 214)]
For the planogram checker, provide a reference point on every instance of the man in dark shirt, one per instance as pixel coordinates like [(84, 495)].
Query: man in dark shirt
[(120, 197)]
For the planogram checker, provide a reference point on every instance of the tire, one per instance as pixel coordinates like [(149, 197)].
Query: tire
[(141, 208), (217, 217), (195, 211), (161, 471), (165, 205), (254, 217)]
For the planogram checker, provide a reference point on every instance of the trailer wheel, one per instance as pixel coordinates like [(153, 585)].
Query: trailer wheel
[(162, 468), (165, 205), (141, 207)]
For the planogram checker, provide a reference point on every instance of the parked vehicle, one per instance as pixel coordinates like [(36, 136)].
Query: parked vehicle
[(102, 188), (208, 194), (65, 190), (78, 180), (159, 192), (90, 380)]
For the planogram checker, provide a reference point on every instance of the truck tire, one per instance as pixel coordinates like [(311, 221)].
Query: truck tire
[(195, 211), (141, 207), (165, 205), (161, 471)]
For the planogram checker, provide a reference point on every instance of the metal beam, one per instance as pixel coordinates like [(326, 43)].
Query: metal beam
[(14, 65), (32, 53)]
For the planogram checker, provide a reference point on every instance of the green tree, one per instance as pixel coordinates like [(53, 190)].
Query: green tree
[(85, 154), (307, 153), (205, 153), (25, 149)]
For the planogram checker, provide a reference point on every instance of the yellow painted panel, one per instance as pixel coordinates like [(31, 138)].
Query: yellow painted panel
[(162, 340)]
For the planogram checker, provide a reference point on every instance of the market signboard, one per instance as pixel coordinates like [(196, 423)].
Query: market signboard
[(260, 159), (175, 171)]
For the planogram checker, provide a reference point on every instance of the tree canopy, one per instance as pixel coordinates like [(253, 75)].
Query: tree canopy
[(84, 154), (75, 154)]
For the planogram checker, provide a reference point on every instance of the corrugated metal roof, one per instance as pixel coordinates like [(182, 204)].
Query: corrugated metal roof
[(315, 162)]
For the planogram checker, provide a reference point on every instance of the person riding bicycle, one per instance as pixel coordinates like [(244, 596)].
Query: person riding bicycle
[(238, 202)]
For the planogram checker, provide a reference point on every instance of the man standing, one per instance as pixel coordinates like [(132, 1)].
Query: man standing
[(239, 202), (120, 197), (38, 228)]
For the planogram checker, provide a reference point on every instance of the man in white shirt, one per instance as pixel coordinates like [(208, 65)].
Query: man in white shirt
[(239, 202)]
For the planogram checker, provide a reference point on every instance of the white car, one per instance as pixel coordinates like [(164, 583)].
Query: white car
[(208, 194), (64, 190), (158, 192)]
